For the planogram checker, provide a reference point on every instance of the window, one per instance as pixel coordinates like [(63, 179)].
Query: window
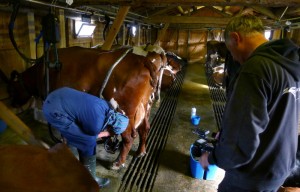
[(133, 31), (267, 34), (84, 29)]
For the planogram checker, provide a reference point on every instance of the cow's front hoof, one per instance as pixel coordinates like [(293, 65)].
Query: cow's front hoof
[(142, 154), (117, 166)]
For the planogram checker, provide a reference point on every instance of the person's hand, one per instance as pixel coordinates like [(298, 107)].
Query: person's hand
[(217, 135), (203, 160), (103, 134)]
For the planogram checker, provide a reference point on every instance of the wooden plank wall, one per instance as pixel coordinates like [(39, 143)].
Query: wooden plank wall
[(188, 44), (9, 57)]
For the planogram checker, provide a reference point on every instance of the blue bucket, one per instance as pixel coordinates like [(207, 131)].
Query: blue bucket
[(198, 172), (196, 120), (2, 126)]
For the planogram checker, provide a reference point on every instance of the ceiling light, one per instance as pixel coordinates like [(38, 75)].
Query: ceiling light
[(69, 2), (288, 22)]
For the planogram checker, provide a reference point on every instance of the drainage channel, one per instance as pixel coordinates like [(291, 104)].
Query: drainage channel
[(218, 97), (141, 172)]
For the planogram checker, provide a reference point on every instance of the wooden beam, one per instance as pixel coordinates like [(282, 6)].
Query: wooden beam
[(162, 33), (187, 19), (124, 34), (31, 35), (293, 10), (217, 11), (62, 23), (281, 12), (162, 11), (196, 26), (17, 125), (115, 27), (151, 3), (264, 11), (180, 10), (137, 35)]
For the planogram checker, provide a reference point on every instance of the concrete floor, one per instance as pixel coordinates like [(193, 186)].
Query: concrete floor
[(174, 167), (174, 170)]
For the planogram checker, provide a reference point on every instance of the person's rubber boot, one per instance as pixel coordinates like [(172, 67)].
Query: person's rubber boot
[(74, 151), (90, 164)]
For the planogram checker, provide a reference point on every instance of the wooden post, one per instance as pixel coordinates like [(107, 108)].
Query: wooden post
[(62, 31), (17, 125), (115, 27), (31, 35), (138, 35), (162, 33), (124, 35)]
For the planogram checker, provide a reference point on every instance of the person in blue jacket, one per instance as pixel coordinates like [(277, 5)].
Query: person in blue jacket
[(257, 143), (81, 118)]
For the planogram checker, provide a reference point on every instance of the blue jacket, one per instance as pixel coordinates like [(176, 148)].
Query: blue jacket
[(79, 116)]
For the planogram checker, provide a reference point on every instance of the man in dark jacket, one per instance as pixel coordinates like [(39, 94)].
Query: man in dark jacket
[(81, 118), (258, 141)]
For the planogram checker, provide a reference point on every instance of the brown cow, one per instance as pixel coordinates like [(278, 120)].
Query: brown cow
[(26, 168), (128, 89), (289, 189)]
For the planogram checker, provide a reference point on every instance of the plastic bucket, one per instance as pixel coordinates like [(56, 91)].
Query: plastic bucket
[(196, 120), (197, 171), (2, 126)]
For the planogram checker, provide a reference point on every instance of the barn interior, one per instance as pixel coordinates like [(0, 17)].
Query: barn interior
[(190, 29)]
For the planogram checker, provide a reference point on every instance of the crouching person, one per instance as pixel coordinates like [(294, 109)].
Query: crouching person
[(81, 118)]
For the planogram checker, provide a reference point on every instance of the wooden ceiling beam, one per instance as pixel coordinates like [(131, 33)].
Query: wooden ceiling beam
[(198, 22), (187, 19), (264, 11), (163, 11), (180, 10), (197, 26), (218, 11), (267, 3)]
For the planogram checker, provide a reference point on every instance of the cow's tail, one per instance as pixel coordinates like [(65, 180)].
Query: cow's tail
[(149, 65)]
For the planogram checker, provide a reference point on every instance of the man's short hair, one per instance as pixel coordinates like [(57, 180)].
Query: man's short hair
[(245, 24)]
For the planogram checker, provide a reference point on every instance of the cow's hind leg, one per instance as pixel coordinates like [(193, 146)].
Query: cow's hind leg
[(127, 141), (143, 133)]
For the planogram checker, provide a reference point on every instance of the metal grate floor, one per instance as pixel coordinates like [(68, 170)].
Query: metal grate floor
[(218, 97), (141, 172)]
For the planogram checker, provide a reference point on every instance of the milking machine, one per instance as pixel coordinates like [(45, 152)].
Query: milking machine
[(111, 144)]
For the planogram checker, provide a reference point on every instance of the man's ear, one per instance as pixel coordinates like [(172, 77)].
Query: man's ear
[(235, 37)]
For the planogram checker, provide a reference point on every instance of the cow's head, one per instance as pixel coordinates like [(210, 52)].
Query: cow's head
[(16, 89)]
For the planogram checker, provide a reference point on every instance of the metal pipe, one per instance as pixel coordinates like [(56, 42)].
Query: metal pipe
[(283, 13), (131, 20)]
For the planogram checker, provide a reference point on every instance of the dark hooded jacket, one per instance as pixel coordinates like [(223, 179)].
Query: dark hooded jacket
[(258, 142)]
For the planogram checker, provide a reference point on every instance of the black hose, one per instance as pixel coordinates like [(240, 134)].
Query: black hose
[(16, 6), (106, 27)]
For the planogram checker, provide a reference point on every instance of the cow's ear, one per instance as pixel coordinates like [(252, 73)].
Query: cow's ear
[(14, 75)]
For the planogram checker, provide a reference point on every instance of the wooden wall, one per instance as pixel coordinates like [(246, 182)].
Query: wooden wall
[(8, 55), (189, 44)]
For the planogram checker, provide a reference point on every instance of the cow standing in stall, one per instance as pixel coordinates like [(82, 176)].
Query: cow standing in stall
[(128, 89)]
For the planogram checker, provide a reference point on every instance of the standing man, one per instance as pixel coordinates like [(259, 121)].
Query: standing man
[(81, 118), (258, 141)]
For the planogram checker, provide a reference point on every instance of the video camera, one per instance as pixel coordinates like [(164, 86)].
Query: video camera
[(204, 143)]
